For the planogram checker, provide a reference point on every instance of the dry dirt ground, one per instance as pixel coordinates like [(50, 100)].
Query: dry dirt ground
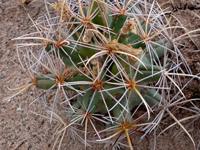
[(22, 130)]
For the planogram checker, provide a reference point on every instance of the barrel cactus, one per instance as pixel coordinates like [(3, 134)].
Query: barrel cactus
[(105, 59)]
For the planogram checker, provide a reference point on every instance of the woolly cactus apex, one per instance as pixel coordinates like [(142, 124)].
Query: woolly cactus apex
[(88, 36), (130, 25), (115, 47), (63, 10)]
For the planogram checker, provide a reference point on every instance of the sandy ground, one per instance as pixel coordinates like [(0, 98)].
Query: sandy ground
[(22, 130)]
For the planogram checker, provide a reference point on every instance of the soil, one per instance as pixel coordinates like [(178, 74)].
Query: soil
[(20, 129)]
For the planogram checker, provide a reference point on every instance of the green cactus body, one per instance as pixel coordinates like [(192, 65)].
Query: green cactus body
[(110, 42)]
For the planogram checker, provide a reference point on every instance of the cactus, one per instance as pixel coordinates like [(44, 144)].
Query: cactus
[(108, 59)]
